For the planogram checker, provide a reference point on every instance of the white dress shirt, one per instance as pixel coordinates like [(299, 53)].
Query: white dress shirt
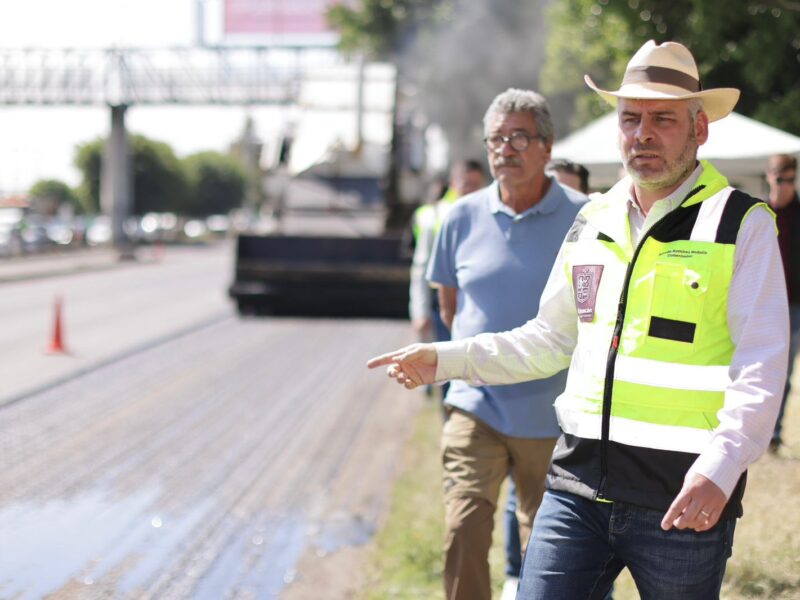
[(758, 321)]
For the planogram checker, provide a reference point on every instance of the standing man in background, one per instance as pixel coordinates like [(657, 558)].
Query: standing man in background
[(466, 176), (490, 264), (781, 176), (569, 173)]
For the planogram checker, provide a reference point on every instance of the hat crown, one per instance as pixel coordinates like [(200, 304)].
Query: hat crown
[(669, 55), (668, 72)]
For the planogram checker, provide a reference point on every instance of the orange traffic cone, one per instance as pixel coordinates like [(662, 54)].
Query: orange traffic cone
[(57, 342)]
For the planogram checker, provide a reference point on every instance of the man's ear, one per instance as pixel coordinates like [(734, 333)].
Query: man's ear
[(548, 149), (701, 128)]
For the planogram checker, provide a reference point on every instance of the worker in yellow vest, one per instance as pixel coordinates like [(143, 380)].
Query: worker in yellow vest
[(668, 302), (466, 176)]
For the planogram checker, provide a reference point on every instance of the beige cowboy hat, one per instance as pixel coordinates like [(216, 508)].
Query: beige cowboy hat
[(668, 72)]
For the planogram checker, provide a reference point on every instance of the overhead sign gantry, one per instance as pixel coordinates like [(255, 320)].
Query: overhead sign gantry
[(123, 77)]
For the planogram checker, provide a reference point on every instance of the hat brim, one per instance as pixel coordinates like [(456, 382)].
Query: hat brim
[(717, 102)]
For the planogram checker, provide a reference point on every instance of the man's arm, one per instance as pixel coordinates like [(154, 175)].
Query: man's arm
[(442, 271), (758, 320), (448, 298), (538, 349)]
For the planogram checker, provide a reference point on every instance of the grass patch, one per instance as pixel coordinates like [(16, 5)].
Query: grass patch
[(407, 563)]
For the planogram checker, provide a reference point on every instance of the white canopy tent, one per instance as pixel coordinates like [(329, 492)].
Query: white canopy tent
[(737, 145)]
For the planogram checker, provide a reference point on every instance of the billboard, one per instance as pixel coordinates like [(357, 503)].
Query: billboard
[(277, 18)]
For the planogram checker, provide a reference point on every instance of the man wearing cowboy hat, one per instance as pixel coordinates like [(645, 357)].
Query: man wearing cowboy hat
[(667, 302)]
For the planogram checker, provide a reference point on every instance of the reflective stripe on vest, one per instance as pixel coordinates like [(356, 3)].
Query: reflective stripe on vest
[(643, 371), (635, 433)]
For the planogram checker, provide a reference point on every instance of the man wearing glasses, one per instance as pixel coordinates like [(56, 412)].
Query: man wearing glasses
[(490, 264), (781, 174)]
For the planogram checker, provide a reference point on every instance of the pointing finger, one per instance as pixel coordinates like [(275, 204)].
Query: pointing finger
[(384, 359)]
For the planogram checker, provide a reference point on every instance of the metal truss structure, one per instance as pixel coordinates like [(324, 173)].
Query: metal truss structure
[(123, 77), (221, 75)]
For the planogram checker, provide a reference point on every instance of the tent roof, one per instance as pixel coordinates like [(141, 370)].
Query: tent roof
[(737, 145)]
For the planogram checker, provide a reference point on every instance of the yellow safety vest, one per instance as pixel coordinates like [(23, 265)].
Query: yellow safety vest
[(432, 215), (650, 369)]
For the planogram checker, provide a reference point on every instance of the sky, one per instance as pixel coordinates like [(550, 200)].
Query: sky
[(96, 23), (39, 142)]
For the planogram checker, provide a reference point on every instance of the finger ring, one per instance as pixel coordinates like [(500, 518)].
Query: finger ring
[(705, 514)]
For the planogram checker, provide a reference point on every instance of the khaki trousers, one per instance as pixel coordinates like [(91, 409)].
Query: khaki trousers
[(476, 459)]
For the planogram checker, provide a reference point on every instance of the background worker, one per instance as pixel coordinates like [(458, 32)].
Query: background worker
[(490, 263), (668, 300), (569, 173), (466, 176), (781, 176)]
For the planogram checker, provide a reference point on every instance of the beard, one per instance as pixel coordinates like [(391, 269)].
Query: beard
[(673, 171)]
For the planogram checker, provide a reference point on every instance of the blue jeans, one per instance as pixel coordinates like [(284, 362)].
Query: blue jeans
[(794, 345), (513, 546), (578, 547)]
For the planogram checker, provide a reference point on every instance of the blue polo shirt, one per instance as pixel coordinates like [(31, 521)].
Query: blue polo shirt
[(500, 262)]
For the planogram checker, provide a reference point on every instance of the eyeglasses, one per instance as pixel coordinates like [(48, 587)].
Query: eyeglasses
[(519, 141), (780, 180)]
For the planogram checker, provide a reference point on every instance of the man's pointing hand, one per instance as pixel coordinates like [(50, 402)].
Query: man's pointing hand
[(411, 366)]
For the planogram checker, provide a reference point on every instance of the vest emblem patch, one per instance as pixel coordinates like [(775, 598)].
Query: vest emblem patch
[(585, 282)]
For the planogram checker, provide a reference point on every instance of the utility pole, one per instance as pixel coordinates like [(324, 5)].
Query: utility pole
[(200, 23), (116, 185)]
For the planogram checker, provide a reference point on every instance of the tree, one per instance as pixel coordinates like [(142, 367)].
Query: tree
[(52, 194), (753, 45), (216, 183), (159, 182), (382, 30), (88, 159)]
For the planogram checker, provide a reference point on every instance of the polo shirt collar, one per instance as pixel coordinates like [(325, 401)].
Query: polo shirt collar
[(548, 203)]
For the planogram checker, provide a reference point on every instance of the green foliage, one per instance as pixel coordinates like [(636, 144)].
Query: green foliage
[(159, 182), (578, 45), (88, 158), (55, 192), (753, 45), (381, 29), (216, 182)]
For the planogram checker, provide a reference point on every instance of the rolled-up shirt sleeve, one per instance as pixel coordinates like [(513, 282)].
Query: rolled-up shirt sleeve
[(540, 348), (758, 320)]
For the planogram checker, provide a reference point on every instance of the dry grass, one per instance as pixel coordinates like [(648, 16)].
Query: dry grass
[(766, 558)]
